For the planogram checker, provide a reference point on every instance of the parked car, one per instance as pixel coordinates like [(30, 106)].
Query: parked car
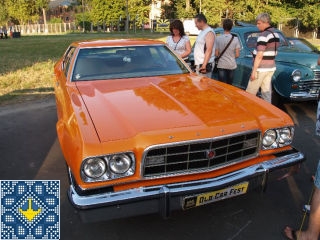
[(141, 133), (303, 45), (297, 77)]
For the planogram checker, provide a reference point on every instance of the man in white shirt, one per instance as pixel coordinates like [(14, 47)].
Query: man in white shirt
[(204, 46)]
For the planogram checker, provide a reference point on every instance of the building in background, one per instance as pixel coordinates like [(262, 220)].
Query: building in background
[(63, 9), (156, 11)]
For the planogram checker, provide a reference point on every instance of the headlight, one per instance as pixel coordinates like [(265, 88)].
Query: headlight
[(120, 163), (108, 167), (274, 138), (94, 167), (269, 138), (296, 75), (285, 135)]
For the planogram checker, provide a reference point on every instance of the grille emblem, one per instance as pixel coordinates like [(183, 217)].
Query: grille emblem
[(210, 154)]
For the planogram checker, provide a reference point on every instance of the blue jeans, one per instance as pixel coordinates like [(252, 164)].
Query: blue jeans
[(225, 75)]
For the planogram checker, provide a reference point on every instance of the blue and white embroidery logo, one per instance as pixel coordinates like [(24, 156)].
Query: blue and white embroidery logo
[(30, 209)]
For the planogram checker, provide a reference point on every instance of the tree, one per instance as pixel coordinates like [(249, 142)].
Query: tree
[(19, 9), (309, 16), (25, 10), (139, 10), (110, 11), (214, 10), (3, 12), (107, 11), (185, 9), (43, 5)]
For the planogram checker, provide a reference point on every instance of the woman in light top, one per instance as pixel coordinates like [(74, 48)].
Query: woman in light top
[(178, 41)]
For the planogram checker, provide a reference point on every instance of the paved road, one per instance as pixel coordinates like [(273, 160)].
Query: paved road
[(29, 150)]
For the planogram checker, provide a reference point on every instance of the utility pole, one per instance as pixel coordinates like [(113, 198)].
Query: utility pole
[(83, 17), (127, 18)]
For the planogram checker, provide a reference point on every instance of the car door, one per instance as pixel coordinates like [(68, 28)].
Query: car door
[(248, 42), (61, 72), (244, 61)]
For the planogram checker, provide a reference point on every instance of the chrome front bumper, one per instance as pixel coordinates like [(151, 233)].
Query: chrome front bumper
[(166, 198), (303, 96)]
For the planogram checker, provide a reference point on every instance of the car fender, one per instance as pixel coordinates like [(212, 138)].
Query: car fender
[(282, 80)]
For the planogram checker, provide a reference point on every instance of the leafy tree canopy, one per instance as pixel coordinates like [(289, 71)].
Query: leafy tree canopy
[(111, 11)]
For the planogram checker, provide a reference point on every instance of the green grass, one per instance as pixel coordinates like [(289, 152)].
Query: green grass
[(26, 63)]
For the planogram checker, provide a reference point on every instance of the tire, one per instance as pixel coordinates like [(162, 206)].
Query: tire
[(277, 100)]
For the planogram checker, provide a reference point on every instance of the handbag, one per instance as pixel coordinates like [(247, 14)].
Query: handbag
[(216, 59), (208, 67), (215, 68)]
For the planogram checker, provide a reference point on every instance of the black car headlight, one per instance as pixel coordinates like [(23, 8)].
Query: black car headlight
[(275, 138), (108, 167)]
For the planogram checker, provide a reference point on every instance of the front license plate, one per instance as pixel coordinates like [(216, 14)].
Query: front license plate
[(209, 197)]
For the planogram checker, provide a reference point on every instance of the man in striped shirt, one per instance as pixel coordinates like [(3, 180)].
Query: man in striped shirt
[(264, 64)]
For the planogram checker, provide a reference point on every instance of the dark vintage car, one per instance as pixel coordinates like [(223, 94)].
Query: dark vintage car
[(297, 77), (141, 133)]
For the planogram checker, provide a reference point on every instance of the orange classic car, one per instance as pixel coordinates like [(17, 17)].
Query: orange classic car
[(141, 133)]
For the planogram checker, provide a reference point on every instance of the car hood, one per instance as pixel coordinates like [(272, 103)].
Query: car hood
[(123, 108), (288, 54)]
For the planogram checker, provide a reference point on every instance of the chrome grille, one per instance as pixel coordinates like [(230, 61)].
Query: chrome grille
[(316, 74), (311, 86), (200, 155)]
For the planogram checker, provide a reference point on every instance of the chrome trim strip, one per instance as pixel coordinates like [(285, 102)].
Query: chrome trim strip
[(303, 96), (168, 191)]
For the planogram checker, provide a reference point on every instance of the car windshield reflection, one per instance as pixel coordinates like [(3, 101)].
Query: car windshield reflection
[(126, 62)]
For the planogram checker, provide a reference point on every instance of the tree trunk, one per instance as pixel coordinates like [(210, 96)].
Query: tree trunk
[(44, 16), (187, 5)]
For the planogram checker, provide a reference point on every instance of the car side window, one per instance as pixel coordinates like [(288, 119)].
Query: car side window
[(67, 59), (251, 39), (283, 40)]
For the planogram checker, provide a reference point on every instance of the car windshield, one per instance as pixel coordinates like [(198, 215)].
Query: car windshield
[(126, 62), (302, 44), (251, 39)]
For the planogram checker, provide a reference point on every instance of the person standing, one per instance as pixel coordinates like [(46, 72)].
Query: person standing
[(227, 62), (178, 40), (204, 46), (313, 230), (264, 64), (5, 32)]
